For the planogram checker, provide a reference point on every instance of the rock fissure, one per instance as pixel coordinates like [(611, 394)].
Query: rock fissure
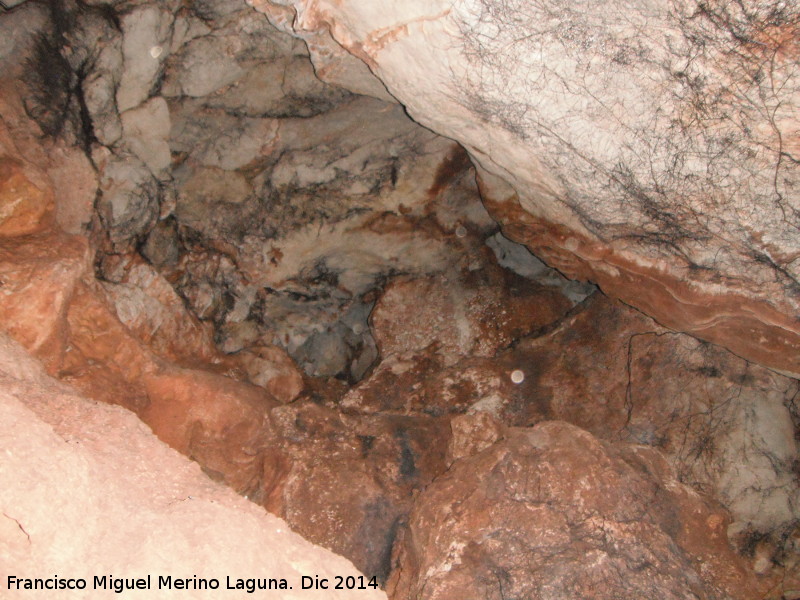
[(220, 221)]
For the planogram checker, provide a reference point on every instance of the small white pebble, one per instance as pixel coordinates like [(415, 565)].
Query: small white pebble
[(156, 51), (517, 376), (762, 565)]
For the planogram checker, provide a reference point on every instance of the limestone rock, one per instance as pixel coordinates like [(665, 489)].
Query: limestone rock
[(332, 63), (552, 512), (616, 373), (610, 153), (75, 181), (207, 64), (145, 46), (475, 314), (472, 433), (286, 86), (348, 483), (58, 175), (273, 369), (97, 49), (206, 191), (328, 207), (103, 358), (130, 202), (149, 307), (39, 277), (146, 130), (19, 40), (222, 424), (161, 246), (25, 208), (173, 521)]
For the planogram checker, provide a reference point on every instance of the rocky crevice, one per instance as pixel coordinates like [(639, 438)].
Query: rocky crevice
[(308, 294)]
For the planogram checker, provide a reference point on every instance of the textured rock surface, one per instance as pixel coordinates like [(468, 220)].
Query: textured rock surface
[(661, 165), (475, 313), (617, 374), (246, 216), (348, 482), (40, 275), (126, 504), (552, 512), (725, 425)]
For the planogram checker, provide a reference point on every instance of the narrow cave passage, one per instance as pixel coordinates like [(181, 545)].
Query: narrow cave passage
[(308, 293)]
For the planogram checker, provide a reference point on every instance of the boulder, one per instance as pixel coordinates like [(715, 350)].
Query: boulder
[(553, 512), (348, 483), (127, 505)]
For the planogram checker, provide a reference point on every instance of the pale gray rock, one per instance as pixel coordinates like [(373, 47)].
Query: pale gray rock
[(186, 28), (129, 204), (146, 129), (606, 135), (161, 246), (282, 87), (213, 200), (145, 46), (19, 36), (96, 51), (519, 259), (206, 64)]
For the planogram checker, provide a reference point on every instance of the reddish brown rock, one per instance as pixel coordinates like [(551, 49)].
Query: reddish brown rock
[(678, 296), (723, 423), (86, 489), (39, 275), (420, 384), (222, 424), (615, 166), (103, 359), (552, 512), (273, 369), (474, 313), (347, 483), (472, 433), (150, 308), (25, 208)]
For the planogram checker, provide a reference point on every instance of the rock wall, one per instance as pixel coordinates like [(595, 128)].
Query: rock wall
[(300, 289), (649, 147), (87, 490)]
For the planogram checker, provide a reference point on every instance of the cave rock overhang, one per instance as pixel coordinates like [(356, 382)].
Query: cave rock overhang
[(598, 147)]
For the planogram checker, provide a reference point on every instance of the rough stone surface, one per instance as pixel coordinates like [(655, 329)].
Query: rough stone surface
[(220, 423), (607, 142), (146, 129), (149, 307), (150, 510), (552, 512), (146, 31), (348, 483), (256, 224), (468, 314), (616, 373), (40, 275), (24, 207), (274, 370)]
